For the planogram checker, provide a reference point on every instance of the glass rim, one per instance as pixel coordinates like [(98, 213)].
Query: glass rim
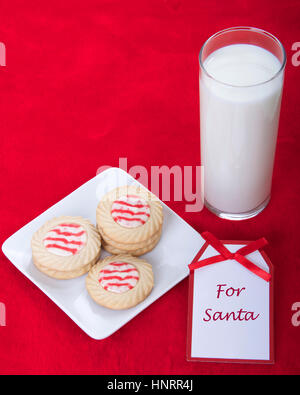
[(245, 28)]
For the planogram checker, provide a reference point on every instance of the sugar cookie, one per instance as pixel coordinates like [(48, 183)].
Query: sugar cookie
[(135, 251), (129, 219), (66, 247), (120, 281)]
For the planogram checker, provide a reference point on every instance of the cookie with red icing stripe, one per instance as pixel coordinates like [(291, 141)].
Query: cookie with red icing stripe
[(66, 247), (130, 219), (120, 281)]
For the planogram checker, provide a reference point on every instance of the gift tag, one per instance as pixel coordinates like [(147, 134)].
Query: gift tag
[(231, 303)]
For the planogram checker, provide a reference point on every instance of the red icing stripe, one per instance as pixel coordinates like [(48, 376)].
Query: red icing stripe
[(118, 271), (118, 263), (129, 219), (70, 225), (130, 204), (118, 278), (59, 232), (79, 243), (118, 285), (72, 250), (130, 212)]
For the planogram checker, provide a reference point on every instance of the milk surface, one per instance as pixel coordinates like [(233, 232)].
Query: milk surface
[(239, 113)]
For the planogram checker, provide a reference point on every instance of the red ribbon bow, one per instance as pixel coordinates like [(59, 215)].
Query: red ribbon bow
[(239, 255)]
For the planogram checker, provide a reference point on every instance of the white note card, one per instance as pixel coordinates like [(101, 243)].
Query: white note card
[(230, 310)]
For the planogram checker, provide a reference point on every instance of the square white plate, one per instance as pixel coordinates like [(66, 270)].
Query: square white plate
[(176, 249)]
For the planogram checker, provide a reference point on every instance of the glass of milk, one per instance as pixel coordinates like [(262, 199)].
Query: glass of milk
[(241, 80)]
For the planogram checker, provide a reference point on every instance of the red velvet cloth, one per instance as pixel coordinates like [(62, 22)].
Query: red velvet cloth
[(88, 82)]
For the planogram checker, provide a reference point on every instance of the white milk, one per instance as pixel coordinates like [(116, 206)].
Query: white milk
[(239, 126)]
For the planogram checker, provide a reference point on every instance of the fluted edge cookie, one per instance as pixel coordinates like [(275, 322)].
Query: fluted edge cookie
[(129, 215), (120, 281), (58, 275), (66, 247), (137, 250)]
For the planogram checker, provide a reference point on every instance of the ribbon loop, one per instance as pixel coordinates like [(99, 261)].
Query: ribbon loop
[(238, 256)]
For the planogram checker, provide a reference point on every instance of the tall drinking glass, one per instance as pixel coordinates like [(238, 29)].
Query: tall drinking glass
[(241, 80)]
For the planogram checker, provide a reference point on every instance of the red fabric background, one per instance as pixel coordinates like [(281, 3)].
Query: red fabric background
[(88, 82)]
